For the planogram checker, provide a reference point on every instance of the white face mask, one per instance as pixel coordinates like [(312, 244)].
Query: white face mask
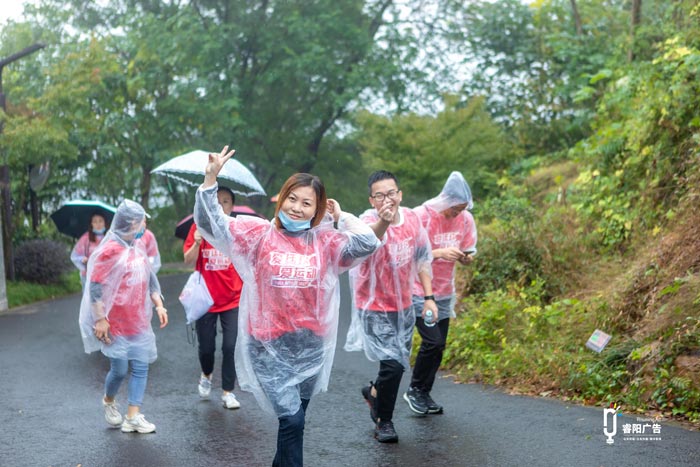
[(292, 225)]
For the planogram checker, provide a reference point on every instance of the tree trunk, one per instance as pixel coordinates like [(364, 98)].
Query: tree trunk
[(635, 19), (34, 208), (7, 222), (146, 187), (577, 18)]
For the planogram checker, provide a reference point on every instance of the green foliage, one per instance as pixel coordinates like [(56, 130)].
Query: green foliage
[(22, 293), (503, 334), (507, 245), (521, 243), (511, 335), (422, 150), (41, 261), (540, 62), (636, 166)]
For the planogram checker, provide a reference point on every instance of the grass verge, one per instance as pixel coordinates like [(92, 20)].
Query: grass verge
[(23, 293)]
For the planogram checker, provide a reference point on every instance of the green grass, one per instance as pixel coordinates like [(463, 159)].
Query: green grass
[(22, 293)]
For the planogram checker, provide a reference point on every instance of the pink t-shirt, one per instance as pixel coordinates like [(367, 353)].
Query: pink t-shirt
[(150, 243), (290, 276), (459, 232), (383, 282), (83, 249)]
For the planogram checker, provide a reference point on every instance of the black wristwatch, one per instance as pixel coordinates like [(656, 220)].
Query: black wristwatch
[(429, 297)]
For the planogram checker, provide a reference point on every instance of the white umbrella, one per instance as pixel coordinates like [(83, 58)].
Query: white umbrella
[(189, 168)]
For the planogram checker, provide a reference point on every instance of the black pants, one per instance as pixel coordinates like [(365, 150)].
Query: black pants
[(387, 384), (206, 335), (430, 353)]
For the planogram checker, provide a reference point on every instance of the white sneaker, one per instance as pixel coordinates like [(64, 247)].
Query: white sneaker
[(112, 414), (138, 423), (204, 387), (230, 401)]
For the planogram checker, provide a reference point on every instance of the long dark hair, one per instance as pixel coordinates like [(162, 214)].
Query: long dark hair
[(303, 179), (91, 235)]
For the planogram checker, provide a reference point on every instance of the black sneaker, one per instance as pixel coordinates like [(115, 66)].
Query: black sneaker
[(367, 394), (433, 407), (416, 400), (385, 433)]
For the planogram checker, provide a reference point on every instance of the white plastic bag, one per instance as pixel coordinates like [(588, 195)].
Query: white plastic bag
[(195, 297)]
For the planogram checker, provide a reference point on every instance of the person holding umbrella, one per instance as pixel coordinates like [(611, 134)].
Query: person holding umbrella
[(88, 242), (116, 312), (290, 298), (225, 286)]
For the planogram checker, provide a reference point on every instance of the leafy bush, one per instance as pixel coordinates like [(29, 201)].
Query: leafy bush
[(41, 261), (506, 334), (507, 251)]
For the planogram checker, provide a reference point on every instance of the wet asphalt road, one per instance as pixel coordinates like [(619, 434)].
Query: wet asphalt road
[(50, 408)]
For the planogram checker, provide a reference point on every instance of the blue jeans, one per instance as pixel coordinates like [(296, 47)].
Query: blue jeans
[(290, 439), (137, 381)]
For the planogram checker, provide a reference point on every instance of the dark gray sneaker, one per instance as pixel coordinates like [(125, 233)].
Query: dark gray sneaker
[(367, 394), (416, 400), (385, 433), (433, 407)]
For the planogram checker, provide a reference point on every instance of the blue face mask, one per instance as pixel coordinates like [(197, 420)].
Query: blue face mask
[(292, 225), (99, 231), (140, 233)]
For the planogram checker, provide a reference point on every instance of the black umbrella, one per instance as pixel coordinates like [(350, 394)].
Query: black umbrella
[(73, 218), (183, 227)]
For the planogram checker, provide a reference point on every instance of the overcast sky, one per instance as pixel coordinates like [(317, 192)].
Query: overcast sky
[(10, 9)]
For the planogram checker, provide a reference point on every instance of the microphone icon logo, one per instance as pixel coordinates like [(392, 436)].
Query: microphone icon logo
[(610, 427)]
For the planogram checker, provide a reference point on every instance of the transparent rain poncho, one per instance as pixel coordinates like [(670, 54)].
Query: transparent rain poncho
[(288, 312), (151, 246), (119, 285), (83, 249), (458, 231), (382, 320)]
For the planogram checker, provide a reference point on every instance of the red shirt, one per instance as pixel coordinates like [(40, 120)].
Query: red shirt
[(222, 280), (124, 274)]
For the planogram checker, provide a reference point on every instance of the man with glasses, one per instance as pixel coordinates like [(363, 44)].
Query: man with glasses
[(383, 320), (452, 234)]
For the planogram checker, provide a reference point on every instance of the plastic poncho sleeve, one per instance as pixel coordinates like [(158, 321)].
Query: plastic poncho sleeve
[(424, 253), (363, 241), (80, 251), (151, 245), (211, 220)]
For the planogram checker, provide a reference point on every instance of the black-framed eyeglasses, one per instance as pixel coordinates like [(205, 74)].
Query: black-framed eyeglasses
[(389, 194)]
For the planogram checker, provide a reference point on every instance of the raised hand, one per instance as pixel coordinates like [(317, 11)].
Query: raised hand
[(215, 164), (333, 208), (386, 213)]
